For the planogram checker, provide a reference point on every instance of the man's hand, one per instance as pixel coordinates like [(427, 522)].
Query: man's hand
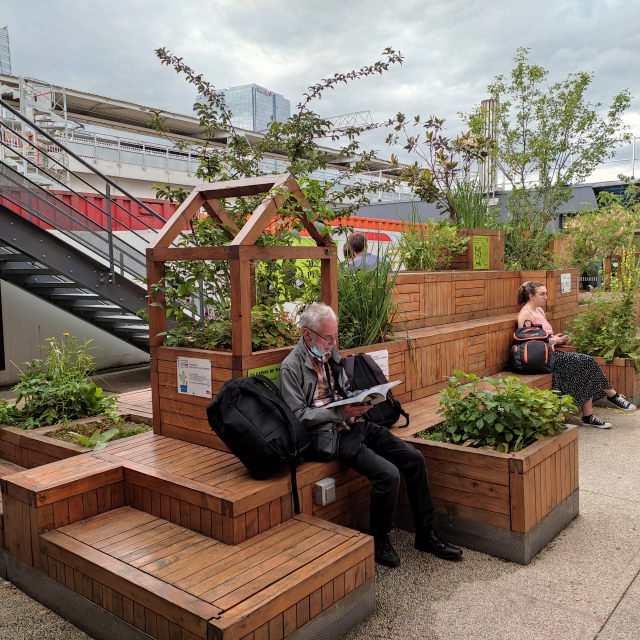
[(355, 410)]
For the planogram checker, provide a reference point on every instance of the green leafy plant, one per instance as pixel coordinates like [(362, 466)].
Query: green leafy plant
[(471, 207), (444, 163), (547, 137), (626, 279), (503, 414), (429, 246), (606, 327), (57, 388), (365, 304), (593, 234), (197, 293), (97, 440)]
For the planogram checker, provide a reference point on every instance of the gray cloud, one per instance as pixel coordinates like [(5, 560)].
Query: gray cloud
[(452, 49)]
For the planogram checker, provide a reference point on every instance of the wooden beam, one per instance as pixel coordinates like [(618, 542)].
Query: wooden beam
[(241, 187), (263, 214), (179, 219), (304, 204), (189, 253), (218, 213)]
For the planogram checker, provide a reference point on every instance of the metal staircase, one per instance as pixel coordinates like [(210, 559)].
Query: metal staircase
[(92, 266)]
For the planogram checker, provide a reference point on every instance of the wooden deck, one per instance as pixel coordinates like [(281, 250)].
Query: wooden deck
[(130, 562)]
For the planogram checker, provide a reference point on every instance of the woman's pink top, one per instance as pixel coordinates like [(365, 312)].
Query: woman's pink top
[(543, 321)]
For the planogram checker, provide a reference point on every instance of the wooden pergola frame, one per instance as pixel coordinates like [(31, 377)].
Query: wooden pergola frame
[(241, 251)]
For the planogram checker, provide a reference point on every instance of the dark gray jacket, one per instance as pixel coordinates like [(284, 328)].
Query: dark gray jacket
[(298, 381)]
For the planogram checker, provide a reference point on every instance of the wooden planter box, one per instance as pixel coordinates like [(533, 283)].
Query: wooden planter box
[(32, 447), (623, 376), (508, 505)]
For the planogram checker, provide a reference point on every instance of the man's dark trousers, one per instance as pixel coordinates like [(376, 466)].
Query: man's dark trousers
[(381, 458)]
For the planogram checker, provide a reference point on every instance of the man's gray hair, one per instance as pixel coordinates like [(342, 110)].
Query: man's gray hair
[(315, 314)]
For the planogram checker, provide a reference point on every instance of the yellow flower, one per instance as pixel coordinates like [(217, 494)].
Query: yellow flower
[(66, 333)]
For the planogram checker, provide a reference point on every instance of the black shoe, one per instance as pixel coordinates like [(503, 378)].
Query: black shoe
[(592, 421), (385, 553), (428, 540), (622, 403)]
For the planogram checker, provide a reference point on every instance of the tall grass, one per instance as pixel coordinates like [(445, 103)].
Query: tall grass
[(471, 207), (365, 304)]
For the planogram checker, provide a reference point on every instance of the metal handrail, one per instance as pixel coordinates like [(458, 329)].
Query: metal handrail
[(110, 182), (83, 224), (91, 204)]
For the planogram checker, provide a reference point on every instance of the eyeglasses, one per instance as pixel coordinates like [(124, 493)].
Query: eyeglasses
[(327, 339)]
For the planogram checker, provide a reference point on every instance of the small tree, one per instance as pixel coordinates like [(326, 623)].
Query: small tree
[(548, 137), (444, 163)]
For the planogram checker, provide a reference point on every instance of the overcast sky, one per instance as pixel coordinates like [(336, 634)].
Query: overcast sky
[(452, 49)]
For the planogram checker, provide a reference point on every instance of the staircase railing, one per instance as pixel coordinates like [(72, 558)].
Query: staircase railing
[(105, 234)]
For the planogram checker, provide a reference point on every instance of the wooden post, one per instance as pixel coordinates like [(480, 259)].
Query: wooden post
[(157, 314), (240, 303), (329, 279)]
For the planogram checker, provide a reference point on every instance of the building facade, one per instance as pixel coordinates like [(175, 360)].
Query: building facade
[(254, 107)]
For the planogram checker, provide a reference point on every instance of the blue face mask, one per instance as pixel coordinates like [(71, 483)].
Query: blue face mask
[(317, 352)]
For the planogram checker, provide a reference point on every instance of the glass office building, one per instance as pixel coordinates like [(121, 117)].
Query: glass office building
[(5, 55), (253, 107)]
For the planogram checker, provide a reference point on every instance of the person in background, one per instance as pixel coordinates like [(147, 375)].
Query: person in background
[(357, 243), (574, 374), (311, 377)]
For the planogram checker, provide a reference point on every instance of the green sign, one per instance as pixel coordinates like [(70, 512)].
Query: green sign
[(271, 371), (480, 252)]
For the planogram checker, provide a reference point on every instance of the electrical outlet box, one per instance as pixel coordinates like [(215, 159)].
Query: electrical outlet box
[(324, 491)]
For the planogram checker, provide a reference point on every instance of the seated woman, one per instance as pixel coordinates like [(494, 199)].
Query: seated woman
[(574, 374)]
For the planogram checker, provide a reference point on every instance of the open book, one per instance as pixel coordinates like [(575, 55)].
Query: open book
[(369, 396)]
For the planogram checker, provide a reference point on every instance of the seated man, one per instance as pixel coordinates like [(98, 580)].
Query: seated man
[(312, 376), (356, 247)]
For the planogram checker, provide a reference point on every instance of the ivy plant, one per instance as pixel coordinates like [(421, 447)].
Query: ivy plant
[(503, 414)]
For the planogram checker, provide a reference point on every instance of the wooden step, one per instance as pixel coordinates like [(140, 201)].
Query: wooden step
[(163, 578)]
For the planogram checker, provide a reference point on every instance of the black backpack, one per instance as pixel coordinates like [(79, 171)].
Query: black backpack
[(363, 372), (531, 351), (251, 418)]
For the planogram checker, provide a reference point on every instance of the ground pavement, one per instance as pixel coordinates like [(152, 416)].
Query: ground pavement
[(585, 585)]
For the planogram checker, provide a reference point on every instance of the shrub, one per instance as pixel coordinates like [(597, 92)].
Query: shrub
[(506, 416), (606, 327), (57, 388), (429, 246)]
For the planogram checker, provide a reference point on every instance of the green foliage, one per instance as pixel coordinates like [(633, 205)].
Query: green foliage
[(57, 388), (97, 440), (548, 136), (197, 293), (526, 250), (429, 246), (506, 416), (472, 210), (606, 327), (626, 279), (444, 163), (594, 234), (271, 327), (365, 304)]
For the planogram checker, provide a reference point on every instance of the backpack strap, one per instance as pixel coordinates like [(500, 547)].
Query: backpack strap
[(268, 384)]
